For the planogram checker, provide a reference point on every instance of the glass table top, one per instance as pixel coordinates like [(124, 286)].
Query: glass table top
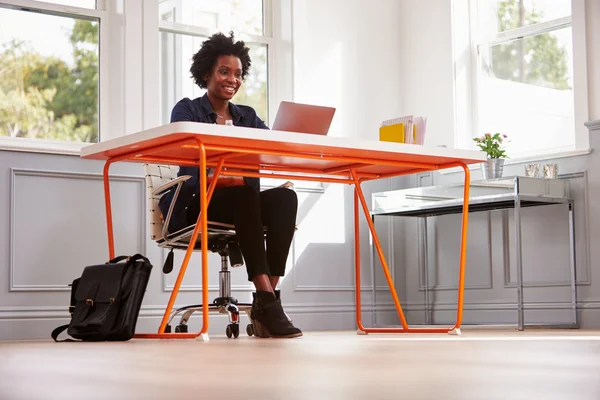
[(484, 194)]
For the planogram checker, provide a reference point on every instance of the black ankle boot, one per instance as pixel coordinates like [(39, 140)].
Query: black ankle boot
[(278, 297), (269, 319)]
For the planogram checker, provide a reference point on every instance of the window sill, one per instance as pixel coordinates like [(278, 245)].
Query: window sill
[(41, 146), (593, 125), (525, 160)]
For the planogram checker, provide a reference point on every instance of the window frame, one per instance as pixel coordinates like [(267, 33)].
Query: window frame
[(268, 38), (277, 35), (466, 85), (99, 14)]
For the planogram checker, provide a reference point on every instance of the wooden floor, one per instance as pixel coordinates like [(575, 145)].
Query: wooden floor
[(335, 365)]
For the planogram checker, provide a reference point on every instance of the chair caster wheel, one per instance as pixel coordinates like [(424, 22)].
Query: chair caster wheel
[(181, 328), (168, 329), (232, 330), (250, 330)]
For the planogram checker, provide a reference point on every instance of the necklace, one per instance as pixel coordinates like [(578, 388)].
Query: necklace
[(223, 116)]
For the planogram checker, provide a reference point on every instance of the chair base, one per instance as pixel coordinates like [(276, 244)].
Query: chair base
[(221, 305)]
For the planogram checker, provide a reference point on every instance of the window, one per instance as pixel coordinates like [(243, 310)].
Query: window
[(521, 77), (185, 24), (49, 63)]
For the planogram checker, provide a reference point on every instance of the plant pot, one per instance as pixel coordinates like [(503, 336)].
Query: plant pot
[(492, 168)]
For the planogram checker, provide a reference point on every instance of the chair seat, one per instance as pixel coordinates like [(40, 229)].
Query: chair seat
[(181, 238)]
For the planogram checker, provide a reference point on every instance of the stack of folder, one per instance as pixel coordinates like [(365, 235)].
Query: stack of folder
[(409, 129)]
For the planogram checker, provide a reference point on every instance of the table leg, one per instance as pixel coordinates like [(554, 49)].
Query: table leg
[(426, 271), (201, 226), (203, 220), (372, 269), (359, 324), (573, 260), (107, 204), (518, 247), (359, 197), (463, 250)]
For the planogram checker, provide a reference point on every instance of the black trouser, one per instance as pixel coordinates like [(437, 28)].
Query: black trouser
[(249, 211)]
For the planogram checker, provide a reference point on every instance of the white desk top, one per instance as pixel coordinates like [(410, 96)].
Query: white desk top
[(268, 140)]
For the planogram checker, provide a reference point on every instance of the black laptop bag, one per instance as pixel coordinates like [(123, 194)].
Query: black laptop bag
[(106, 300)]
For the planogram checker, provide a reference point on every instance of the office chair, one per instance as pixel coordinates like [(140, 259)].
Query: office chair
[(221, 240)]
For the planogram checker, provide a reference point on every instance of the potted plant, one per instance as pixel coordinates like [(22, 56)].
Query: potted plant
[(493, 146)]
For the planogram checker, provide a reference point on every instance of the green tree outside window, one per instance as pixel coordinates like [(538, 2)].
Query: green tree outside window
[(43, 97)]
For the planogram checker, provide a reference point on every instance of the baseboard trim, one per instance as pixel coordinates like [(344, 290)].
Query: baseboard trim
[(504, 306), (45, 312), (37, 325), (54, 312)]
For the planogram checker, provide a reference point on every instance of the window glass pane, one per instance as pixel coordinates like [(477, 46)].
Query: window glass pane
[(526, 91), (254, 90), (176, 82), (48, 81), (245, 16), (176, 53), (502, 15)]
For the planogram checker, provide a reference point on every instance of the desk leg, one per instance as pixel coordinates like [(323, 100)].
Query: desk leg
[(425, 249), (372, 269), (203, 221), (359, 324), (359, 196), (521, 318), (111, 251), (463, 250), (573, 260), (107, 204), (201, 226)]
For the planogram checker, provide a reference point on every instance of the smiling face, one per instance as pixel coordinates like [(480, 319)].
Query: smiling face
[(225, 78)]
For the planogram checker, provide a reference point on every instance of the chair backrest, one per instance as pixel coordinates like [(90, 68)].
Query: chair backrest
[(156, 176)]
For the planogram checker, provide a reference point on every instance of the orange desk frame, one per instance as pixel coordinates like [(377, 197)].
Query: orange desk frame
[(348, 173)]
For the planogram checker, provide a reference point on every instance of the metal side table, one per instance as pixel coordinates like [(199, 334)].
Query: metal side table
[(514, 192)]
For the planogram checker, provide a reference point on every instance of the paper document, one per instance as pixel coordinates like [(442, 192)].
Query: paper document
[(409, 129)]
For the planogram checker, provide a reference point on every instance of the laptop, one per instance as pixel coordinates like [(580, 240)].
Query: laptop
[(303, 118)]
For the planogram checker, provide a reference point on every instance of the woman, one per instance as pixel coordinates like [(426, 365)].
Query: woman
[(220, 66)]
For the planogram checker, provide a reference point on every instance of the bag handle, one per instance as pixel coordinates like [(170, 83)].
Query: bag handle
[(117, 259), (130, 259)]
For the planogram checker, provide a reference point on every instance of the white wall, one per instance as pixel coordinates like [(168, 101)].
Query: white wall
[(426, 76), (347, 55)]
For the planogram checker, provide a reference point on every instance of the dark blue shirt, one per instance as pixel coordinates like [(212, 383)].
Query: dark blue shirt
[(200, 110)]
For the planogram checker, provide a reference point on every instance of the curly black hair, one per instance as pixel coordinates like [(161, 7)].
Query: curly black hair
[(218, 45)]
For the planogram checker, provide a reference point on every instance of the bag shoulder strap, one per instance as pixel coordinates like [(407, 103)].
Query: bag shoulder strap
[(58, 331)]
